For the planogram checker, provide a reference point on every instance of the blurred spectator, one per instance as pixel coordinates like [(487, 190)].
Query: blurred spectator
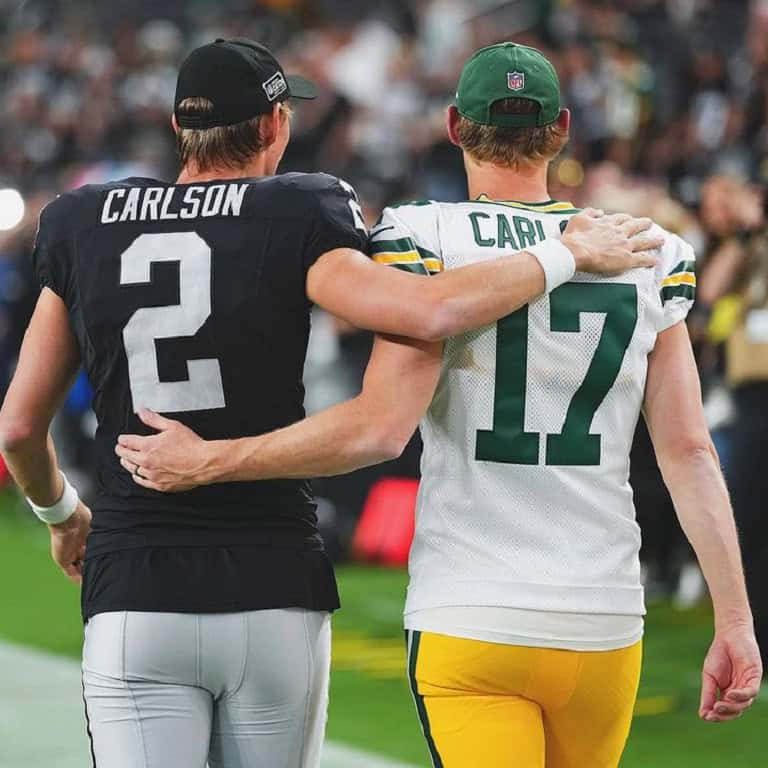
[(656, 86)]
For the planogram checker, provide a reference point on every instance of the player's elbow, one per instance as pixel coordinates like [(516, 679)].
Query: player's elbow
[(441, 321), (16, 433), (385, 441), (394, 443), (688, 448)]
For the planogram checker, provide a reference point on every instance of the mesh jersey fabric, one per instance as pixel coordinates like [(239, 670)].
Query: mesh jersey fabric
[(525, 499)]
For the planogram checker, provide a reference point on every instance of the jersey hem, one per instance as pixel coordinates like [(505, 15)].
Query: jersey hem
[(561, 598), (501, 638)]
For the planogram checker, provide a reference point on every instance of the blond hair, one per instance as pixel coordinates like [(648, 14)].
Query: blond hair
[(511, 146), (228, 146)]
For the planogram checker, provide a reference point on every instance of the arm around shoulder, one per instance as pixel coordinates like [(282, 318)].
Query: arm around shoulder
[(391, 301), (413, 301), (371, 428)]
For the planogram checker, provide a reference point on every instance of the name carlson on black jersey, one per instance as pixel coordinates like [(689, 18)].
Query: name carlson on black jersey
[(172, 203)]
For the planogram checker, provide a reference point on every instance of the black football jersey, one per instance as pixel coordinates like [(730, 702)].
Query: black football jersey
[(190, 300)]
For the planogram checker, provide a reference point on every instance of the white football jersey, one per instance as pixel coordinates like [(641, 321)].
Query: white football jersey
[(525, 499)]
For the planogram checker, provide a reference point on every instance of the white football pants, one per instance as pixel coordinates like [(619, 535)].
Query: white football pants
[(233, 690)]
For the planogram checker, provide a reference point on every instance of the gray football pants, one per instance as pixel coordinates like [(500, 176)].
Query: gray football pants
[(236, 690)]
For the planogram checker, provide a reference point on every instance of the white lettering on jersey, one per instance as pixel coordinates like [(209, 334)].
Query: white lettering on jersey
[(107, 217), (166, 214), (192, 203), (213, 198), (169, 204), (203, 388), (131, 209), (233, 200), (150, 207)]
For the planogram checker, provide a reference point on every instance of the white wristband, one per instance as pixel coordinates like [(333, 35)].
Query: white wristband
[(556, 260), (62, 510)]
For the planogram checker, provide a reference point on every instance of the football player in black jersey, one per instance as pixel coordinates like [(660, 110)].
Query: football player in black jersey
[(207, 613)]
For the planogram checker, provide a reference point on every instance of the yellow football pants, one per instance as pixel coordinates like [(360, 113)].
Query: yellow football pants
[(487, 705)]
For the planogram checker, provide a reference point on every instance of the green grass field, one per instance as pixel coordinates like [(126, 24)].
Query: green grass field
[(370, 702)]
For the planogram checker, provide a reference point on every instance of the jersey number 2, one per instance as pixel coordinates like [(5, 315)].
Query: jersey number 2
[(203, 388), (508, 442)]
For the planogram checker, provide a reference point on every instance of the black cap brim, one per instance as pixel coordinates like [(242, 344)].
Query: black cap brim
[(301, 88)]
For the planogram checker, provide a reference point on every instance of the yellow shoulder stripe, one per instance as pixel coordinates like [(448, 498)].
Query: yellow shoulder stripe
[(390, 257), (409, 257), (682, 278)]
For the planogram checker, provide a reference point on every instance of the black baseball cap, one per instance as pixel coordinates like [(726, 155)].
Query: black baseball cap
[(241, 78)]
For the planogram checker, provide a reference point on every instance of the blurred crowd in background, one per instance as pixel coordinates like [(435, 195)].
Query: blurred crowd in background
[(670, 120)]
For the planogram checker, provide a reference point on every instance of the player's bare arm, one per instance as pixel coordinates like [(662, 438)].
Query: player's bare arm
[(691, 469), (373, 427), (47, 365), (351, 286)]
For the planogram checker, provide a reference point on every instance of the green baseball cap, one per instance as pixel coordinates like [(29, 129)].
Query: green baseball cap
[(508, 70)]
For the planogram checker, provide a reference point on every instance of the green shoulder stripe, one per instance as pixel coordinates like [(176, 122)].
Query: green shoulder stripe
[(675, 291), (684, 266), (417, 268), (426, 254), (401, 245)]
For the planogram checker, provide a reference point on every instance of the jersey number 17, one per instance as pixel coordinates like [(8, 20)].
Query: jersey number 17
[(508, 442)]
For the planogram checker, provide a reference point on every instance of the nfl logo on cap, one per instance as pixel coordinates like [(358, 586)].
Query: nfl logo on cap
[(275, 86), (516, 81)]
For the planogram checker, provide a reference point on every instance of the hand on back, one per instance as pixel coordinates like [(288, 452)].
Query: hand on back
[(174, 459), (611, 244)]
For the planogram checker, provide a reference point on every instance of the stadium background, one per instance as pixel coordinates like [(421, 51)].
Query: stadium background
[(670, 108)]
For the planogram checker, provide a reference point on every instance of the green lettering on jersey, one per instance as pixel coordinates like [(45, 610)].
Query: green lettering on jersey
[(576, 445), (508, 442), (483, 242), (540, 230), (526, 234), (505, 236)]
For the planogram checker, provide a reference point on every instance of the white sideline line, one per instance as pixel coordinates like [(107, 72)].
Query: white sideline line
[(42, 723)]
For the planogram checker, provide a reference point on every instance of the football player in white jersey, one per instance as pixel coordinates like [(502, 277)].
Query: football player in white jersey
[(525, 607)]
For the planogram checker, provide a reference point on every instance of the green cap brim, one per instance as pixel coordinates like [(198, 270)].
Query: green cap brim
[(301, 88)]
